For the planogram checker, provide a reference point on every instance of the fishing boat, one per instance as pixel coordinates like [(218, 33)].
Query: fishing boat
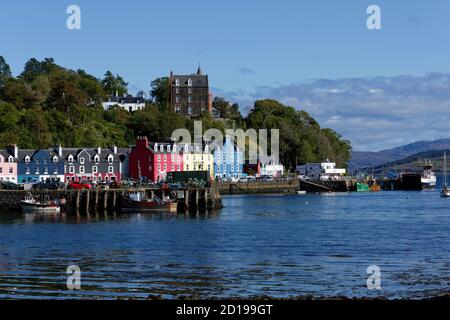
[(445, 192), (428, 178), (31, 205), (138, 202), (362, 187)]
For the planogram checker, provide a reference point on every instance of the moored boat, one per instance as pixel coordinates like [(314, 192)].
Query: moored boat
[(138, 202), (31, 205), (445, 192), (362, 187), (428, 178)]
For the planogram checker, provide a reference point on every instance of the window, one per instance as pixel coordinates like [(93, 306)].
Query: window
[(159, 158), (190, 91), (189, 82), (189, 99), (70, 159), (97, 159), (1, 170), (110, 158), (177, 82), (55, 171), (159, 167), (71, 169), (55, 159), (179, 168), (165, 167), (27, 159), (172, 167), (82, 160), (110, 169), (168, 148), (177, 109), (46, 170), (177, 99), (165, 158), (94, 169), (10, 159), (177, 90), (190, 110), (81, 169)]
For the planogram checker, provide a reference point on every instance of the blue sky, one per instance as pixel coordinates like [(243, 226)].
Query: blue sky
[(289, 50)]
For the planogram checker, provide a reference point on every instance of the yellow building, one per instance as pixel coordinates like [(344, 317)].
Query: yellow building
[(198, 158)]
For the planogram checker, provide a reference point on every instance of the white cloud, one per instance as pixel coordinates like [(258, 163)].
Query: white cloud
[(374, 113)]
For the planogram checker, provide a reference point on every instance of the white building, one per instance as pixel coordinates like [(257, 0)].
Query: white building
[(321, 171), (128, 103), (272, 170)]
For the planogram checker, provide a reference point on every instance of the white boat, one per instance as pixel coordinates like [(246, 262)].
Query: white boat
[(301, 192), (445, 192), (30, 205), (428, 178)]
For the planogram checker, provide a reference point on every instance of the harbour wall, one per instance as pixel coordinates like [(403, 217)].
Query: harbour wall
[(288, 186)]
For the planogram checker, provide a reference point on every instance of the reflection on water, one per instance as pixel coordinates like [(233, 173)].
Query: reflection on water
[(279, 246)]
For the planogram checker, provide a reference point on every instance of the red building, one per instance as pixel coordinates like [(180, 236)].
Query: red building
[(152, 162)]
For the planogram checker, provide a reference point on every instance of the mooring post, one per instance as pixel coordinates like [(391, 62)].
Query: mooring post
[(197, 191), (77, 201), (88, 193), (105, 202), (96, 201), (114, 201), (186, 200)]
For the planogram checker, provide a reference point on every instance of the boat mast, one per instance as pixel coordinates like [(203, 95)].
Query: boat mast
[(445, 169)]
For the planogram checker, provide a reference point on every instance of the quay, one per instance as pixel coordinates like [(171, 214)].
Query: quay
[(109, 201)]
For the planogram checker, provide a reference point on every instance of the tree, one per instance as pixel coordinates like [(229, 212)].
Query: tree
[(5, 71), (160, 91), (113, 85)]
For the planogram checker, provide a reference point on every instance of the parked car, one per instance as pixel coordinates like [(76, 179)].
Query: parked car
[(49, 185), (80, 185), (7, 185)]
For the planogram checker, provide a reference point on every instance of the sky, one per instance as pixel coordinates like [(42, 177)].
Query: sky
[(377, 88)]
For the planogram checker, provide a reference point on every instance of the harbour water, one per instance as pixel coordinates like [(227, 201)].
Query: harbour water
[(262, 245)]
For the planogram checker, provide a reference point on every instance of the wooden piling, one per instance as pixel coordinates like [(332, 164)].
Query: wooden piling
[(88, 193)]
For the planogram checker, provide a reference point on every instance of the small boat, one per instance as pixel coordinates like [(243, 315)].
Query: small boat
[(362, 187), (445, 192), (301, 192), (138, 202), (31, 205), (428, 177)]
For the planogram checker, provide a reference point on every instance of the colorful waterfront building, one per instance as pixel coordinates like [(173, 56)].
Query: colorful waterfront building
[(93, 164), (39, 165), (228, 160), (8, 165), (153, 161), (197, 157)]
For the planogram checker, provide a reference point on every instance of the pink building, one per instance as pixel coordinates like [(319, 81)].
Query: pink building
[(8, 165)]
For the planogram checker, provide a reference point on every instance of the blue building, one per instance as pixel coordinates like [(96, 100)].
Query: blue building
[(40, 165), (228, 161)]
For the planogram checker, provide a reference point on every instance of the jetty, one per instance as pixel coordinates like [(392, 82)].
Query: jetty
[(102, 201)]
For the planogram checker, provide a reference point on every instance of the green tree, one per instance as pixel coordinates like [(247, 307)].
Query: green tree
[(5, 72), (113, 85), (160, 92)]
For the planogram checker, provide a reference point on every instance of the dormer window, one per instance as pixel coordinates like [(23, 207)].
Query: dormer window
[(174, 148), (10, 159), (96, 158), (161, 148), (189, 82), (110, 158), (206, 148), (177, 82), (156, 147), (82, 160), (55, 159), (186, 148), (168, 148), (27, 159), (70, 158)]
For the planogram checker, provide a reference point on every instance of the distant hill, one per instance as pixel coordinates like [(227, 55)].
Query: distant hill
[(414, 162), (362, 159)]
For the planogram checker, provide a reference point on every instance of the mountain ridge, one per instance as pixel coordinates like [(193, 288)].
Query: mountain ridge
[(364, 159)]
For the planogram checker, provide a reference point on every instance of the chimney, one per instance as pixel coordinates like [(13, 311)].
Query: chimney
[(114, 149), (59, 150), (14, 150), (142, 142), (99, 150)]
